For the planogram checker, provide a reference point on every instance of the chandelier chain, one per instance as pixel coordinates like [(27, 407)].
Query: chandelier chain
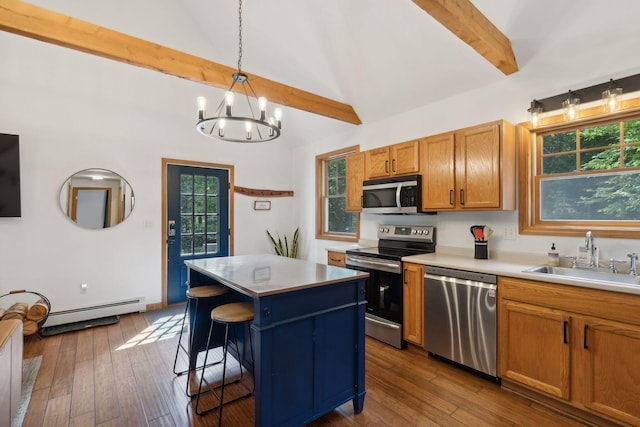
[(239, 35)]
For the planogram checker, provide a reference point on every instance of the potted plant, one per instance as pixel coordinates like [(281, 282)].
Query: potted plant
[(288, 248)]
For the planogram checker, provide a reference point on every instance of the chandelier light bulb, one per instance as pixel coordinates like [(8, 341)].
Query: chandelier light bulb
[(202, 106), (221, 125), (228, 100), (278, 114), (262, 104), (247, 127)]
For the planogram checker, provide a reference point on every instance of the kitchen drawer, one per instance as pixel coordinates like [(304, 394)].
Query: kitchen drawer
[(336, 258)]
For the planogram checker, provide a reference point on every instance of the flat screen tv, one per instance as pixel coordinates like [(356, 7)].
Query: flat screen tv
[(9, 176)]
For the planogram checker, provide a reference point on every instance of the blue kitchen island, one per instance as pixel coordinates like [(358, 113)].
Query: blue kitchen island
[(308, 332)]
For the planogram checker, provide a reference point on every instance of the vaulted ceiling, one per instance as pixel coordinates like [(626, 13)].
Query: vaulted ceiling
[(364, 60)]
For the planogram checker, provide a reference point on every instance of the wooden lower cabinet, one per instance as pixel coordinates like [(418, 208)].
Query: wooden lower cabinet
[(535, 351), (339, 259), (608, 368), (580, 346), (413, 303)]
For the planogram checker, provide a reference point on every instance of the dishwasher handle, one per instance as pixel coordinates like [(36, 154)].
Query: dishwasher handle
[(460, 274), (461, 282)]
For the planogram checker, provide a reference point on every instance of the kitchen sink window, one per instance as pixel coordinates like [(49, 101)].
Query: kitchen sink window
[(582, 176), (333, 222)]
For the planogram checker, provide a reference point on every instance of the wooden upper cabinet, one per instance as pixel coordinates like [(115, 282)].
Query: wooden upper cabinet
[(355, 176), (437, 156), (396, 159), (472, 168)]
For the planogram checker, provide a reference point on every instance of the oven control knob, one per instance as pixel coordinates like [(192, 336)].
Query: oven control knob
[(414, 231), (426, 232)]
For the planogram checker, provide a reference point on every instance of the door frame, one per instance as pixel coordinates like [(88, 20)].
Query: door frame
[(165, 163)]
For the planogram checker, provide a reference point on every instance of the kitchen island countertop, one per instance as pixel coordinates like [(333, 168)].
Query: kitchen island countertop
[(266, 274)]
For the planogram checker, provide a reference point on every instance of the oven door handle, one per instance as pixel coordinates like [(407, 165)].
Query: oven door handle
[(385, 324), (372, 262)]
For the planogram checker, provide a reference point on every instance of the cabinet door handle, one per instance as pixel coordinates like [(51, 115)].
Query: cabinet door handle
[(386, 166), (451, 197), (462, 196), (586, 328), (565, 326), (404, 276), (393, 165)]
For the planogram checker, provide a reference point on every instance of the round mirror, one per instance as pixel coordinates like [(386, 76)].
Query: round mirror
[(96, 198)]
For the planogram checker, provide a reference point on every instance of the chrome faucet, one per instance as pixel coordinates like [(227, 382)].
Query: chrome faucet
[(591, 249), (633, 258)]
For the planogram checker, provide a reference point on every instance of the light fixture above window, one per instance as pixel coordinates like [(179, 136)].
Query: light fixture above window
[(607, 94), (534, 112), (245, 120), (570, 106), (611, 97)]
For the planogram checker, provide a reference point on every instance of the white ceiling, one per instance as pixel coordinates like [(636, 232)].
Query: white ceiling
[(383, 57)]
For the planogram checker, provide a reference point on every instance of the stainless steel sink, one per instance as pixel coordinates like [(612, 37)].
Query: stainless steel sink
[(586, 275)]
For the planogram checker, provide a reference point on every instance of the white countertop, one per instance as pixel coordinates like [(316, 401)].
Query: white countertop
[(267, 274), (345, 247), (513, 265)]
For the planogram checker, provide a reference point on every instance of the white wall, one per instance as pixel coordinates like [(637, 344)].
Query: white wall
[(75, 111)]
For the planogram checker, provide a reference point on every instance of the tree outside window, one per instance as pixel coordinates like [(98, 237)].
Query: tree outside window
[(588, 173), (333, 221)]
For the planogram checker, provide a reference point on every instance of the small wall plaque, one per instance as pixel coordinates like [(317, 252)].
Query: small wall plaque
[(262, 205)]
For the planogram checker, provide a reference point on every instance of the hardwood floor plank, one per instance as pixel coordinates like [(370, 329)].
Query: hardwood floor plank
[(129, 374), (87, 419), (132, 411), (37, 408), (107, 407), (84, 348), (50, 354), (82, 397), (62, 383), (57, 412)]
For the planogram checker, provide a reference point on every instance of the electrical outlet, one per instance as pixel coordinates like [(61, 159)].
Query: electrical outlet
[(509, 233)]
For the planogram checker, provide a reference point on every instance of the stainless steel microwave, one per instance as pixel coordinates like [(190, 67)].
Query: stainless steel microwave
[(397, 195)]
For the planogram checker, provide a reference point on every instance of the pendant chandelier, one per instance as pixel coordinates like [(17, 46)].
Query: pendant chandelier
[(242, 120)]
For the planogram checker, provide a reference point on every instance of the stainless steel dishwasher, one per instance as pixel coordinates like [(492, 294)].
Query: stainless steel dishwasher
[(460, 317)]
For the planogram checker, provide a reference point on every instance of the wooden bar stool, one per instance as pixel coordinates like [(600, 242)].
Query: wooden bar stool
[(227, 315), (194, 295)]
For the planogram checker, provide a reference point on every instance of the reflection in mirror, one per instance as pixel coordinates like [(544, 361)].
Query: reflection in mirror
[(96, 198)]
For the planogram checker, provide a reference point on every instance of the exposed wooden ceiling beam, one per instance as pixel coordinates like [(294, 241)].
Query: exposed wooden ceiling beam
[(48, 26), (464, 20)]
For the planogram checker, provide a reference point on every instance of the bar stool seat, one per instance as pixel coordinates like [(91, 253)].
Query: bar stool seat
[(227, 315), (195, 294)]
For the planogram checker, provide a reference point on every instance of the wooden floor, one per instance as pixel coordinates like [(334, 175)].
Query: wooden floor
[(121, 375)]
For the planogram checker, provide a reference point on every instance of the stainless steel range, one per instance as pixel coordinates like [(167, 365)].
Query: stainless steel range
[(385, 285)]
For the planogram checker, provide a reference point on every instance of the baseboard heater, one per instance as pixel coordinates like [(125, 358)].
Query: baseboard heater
[(96, 311)]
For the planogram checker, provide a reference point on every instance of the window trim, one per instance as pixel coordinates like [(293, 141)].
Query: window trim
[(529, 193), (320, 187)]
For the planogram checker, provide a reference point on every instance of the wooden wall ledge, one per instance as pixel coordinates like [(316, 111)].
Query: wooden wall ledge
[(263, 193)]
